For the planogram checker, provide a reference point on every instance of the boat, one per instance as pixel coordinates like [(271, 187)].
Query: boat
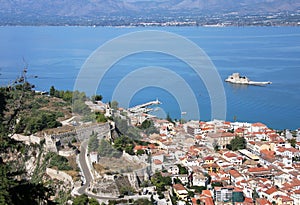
[(236, 78)]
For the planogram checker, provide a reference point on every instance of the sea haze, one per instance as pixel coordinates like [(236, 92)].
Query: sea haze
[(56, 54)]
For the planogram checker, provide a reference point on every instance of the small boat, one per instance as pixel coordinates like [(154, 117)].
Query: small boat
[(236, 78)]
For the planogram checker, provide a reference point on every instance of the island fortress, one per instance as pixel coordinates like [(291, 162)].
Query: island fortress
[(237, 79)]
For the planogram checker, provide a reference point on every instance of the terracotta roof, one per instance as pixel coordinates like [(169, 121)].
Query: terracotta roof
[(206, 193), (208, 158), (234, 173), (208, 201), (262, 201), (157, 162), (230, 154), (178, 187), (271, 190), (258, 124), (258, 169), (284, 198)]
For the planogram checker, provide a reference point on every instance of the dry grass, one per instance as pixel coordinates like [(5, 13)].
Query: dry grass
[(120, 165)]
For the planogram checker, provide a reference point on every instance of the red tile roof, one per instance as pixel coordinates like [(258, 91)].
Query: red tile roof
[(271, 190), (262, 201), (178, 187), (208, 158), (230, 154), (258, 169), (157, 162), (258, 124), (234, 173)]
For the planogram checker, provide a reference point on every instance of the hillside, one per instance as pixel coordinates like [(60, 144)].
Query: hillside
[(80, 8)]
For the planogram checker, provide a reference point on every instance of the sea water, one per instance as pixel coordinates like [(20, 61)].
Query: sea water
[(56, 56)]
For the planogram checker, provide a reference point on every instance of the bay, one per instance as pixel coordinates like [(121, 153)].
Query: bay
[(56, 55)]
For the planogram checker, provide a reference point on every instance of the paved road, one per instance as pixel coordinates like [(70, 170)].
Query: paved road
[(85, 169), (87, 173)]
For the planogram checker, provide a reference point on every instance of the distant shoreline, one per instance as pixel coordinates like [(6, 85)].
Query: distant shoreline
[(149, 26)]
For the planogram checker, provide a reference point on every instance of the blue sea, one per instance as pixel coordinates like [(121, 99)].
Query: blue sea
[(57, 54)]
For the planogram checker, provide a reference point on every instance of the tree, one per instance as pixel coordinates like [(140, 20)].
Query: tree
[(15, 188), (145, 124), (217, 184), (140, 152), (216, 145), (100, 117), (96, 98), (114, 105), (106, 150), (142, 202), (160, 182), (52, 91), (255, 194), (81, 200), (182, 170), (93, 201), (292, 142), (238, 143), (169, 118), (93, 143)]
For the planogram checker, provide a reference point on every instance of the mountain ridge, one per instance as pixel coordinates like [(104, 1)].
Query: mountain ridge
[(138, 7)]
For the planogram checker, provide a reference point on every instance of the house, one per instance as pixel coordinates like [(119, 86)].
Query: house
[(295, 195), (199, 179), (172, 169), (221, 139), (233, 158), (94, 157), (228, 194), (262, 201), (208, 160), (180, 191), (235, 176), (283, 200), (157, 165), (271, 193)]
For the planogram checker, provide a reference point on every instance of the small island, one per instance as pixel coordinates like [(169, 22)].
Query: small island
[(236, 78)]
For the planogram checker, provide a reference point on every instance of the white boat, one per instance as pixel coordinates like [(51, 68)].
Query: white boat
[(236, 78)]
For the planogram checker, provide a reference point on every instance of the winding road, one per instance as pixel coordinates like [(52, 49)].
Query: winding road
[(87, 173)]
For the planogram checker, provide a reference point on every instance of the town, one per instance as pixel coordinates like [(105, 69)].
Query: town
[(174, 162)]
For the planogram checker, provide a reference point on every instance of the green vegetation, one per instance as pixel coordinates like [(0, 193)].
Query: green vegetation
[(81, 200), (114, 105), (15, 100), (145, 125), (100, 117), (93, 143), (182, 170), (198, 189), (169, 118), (37, 121), (106, 150), (148, 127), (60, 162), (216, 145), (293, 142), (84, 200), (160, 182), (216, 184), (121, 125), (95, 98), (142, 202), (237, 143), (77, 98), (124, 143)]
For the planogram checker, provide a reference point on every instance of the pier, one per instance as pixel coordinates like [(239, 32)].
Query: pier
[(143, 108)]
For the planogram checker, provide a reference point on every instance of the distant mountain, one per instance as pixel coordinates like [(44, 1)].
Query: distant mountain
[(122, 12), (132, 7)]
